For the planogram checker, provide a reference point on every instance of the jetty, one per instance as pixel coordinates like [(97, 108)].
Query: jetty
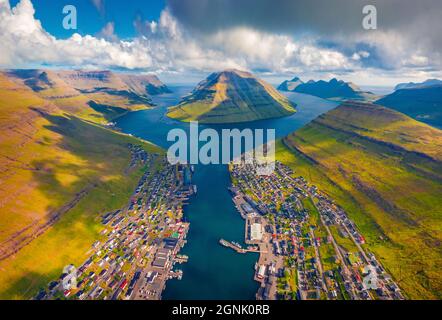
[(237, 247)]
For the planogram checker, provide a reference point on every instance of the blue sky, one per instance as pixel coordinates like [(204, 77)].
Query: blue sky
[(187, 39), (91, 20)]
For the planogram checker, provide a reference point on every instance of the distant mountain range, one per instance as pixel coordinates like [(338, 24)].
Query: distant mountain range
[(290, 85), (386, 170), (94, 94), (425, 84), (232, 96), (421, 101), (333, 89)]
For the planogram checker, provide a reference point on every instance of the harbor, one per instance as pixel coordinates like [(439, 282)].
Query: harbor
[(238, 248), (213, 271)]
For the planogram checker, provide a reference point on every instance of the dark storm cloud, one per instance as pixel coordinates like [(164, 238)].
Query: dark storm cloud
[(299, 15), (420, 19), (409, 31)]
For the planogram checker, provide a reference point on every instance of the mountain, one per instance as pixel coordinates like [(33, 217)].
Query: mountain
[(385, 170), (145, 84), (232, 96), (425, 84), (100, 96), (421, 103), (290, 85), (333, 89), (58, 173)]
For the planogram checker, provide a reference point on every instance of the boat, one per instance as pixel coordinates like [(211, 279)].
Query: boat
[(195, 188), (236, 244), (224, 243)]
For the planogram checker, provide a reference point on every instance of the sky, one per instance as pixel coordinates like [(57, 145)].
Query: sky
[(184, 40)]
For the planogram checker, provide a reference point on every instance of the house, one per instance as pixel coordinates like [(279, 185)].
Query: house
[(69, 278)]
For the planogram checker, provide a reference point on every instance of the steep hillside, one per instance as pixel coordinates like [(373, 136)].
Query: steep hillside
[(99, 96), (385, 169), (232, 96), (421, 103), (57, 174), (333, 89), (144, 84)]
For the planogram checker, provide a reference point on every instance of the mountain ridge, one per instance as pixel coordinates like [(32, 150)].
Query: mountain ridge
[(334, 89), (423, 103), (100, 96), (232, 96), (413, 85)]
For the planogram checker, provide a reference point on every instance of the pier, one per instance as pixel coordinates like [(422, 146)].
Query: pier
[(237, 247)]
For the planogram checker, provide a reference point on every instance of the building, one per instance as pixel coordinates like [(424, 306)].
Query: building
[(162, 258), (256, 232), (261, 272), (69, 278), (247, 208), (370, 281), (171, 243)]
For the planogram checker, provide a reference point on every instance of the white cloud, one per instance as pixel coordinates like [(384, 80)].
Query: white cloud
[(162, 45), (165, 45), (108, 32), (360, 55)]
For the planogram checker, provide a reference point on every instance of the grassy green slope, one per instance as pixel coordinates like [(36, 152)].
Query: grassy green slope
[(50, 159), (385, 169), (232, 96)]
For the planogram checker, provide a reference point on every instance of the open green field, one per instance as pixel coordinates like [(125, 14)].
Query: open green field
[(59, 173), (385, 170)]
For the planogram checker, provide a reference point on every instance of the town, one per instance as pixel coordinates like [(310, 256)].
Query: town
[(139, 245), (309, 248)]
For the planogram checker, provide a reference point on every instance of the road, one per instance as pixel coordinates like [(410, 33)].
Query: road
[(318, 262)]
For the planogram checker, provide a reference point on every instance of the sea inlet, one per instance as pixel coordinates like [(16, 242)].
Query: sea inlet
[(213, 271)]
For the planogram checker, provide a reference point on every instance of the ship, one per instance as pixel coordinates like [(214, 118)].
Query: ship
[(232, 245), (224, 243), (236, 244)]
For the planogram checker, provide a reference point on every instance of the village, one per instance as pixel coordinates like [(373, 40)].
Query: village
[(309, 248), (139, 245)]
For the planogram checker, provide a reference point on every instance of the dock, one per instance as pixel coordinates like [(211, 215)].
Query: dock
[(237, 247)]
